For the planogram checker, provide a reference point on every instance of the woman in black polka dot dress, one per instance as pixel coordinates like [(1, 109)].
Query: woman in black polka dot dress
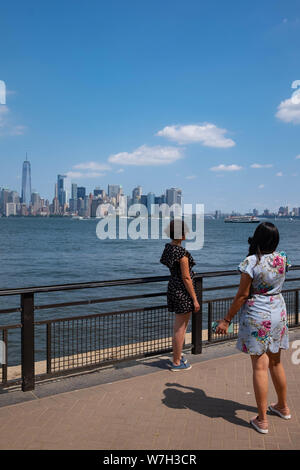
[(181, 296)]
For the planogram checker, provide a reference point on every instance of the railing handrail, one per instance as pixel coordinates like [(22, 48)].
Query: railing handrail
[(114, 283)]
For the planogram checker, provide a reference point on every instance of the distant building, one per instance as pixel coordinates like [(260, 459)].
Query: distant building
[(26, 183), (61, 192), (143, 200), (81, 192), (173, 196), (150, 203), (74, 189), (97, 192), (35, 203), (11, 209), (136, 195), (94, 206), (114, 190), (160, 199)]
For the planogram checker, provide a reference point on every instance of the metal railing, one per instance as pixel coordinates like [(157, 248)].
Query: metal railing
[(82, 342)]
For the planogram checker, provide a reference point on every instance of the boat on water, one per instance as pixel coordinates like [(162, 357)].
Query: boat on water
[(246, 219)]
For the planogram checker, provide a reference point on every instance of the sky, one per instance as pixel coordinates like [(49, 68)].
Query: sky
[(159, 93)]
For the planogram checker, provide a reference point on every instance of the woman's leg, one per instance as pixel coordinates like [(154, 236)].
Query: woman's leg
[(260, 365), (279, 380), (180, 326)]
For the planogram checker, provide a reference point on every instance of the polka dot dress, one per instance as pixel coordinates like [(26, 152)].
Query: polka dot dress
[(178, 298)]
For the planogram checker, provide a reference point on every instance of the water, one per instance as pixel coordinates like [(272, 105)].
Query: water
[(37, 251)]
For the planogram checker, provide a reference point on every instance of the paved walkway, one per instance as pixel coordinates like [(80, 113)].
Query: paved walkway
[(208, 407)]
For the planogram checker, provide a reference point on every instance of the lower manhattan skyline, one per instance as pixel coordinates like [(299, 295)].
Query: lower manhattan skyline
[(206, 126), (73, 199)]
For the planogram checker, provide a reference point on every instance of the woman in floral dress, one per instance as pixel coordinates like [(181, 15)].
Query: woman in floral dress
[(263, 330)]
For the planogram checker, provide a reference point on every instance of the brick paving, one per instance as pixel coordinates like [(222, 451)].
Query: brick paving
[(208, 407)]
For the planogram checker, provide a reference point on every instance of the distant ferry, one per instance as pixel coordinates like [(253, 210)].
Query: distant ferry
[(246, 219)]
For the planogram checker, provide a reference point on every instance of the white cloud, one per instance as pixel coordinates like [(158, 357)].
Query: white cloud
[(91, 166), (279, 173), (259, 165), (191, 177), (145, 155), (120, 170), (7, 127), (298, 157), (3, 113), (207, 134), (261, 186), (226, 168), (78, 174), (289, 109), (17, 130)]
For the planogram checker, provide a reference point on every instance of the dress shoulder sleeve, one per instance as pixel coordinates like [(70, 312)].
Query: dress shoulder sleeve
[(179, 252), (247, 265), (288, 264)]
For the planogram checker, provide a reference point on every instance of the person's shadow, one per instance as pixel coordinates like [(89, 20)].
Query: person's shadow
[(197, 400)]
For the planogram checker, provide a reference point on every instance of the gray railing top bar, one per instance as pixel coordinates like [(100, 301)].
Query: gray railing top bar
[(112, 283)]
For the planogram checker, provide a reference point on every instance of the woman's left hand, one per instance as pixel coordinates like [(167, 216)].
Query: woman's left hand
[(222, 328)]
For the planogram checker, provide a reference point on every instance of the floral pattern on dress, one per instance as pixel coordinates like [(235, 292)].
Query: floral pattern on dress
[(263, 317)]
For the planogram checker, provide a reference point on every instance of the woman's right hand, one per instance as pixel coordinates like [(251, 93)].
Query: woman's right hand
[(196, 306)]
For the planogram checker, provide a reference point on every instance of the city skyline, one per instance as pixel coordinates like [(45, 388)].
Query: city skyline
[(79, 201), (76, 200), (155, 99)]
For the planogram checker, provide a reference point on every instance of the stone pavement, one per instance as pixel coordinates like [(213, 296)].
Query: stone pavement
[(207, 407)]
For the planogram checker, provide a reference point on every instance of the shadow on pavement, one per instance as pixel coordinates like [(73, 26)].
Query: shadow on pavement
[(197, 400)]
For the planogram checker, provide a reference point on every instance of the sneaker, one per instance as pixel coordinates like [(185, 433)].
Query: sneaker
[(259, 426), (183, 359), (182, 366), (277, 411)]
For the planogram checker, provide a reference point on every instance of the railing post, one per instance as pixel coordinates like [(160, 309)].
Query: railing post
[(49, 348), (27, 341), (209, 332), (197, 320), (297, 307), (4, 363)]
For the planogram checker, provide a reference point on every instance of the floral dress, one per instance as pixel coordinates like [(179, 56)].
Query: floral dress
[(178, 298), (263, 317)]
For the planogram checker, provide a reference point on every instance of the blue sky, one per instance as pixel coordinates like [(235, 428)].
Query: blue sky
[(159, 93)]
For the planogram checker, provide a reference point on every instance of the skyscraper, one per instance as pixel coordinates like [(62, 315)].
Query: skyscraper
[(114, 190), (136, 195), (26, 182), (173, 196), (150, 203), (81, 192), (61, 192)]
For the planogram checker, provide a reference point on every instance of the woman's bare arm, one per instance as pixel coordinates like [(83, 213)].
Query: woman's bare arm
[(239, 300), (185, 274)]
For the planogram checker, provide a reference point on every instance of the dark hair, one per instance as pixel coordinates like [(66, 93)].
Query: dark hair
[(265, 239), (177, 229)]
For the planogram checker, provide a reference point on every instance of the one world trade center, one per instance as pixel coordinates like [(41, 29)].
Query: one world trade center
[(26, 183)]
